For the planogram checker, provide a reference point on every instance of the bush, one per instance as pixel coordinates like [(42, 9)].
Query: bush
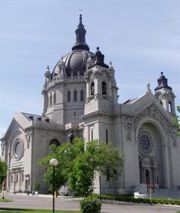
[(90, 204)]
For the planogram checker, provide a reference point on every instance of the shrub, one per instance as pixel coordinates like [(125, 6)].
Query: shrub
[(90, 204)]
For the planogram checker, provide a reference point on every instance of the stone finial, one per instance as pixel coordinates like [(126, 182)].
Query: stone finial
[(110, 64), (148, 87), (47, 73), (99, 58)]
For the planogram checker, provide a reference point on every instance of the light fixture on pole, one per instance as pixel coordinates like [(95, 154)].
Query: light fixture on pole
[(53, 162)]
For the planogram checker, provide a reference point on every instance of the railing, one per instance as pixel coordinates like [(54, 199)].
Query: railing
[(64, 78)]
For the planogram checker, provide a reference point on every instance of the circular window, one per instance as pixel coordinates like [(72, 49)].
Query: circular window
[(18, 149), (145, 142)]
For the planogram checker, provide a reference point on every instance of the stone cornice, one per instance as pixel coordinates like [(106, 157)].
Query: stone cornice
[(95, 114), (46, 126)]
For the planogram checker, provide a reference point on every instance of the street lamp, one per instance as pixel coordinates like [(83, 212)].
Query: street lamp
[(53, 162), (71, 137), (3, 188)]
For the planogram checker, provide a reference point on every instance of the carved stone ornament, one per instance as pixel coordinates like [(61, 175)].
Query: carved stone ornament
[(154, 113), (129, 129), (28, 135)]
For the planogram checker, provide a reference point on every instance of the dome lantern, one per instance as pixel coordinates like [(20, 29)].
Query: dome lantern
[(80, 37)]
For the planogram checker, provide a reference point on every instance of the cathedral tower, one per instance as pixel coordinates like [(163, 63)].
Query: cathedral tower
[(165, 94), (101, 98)]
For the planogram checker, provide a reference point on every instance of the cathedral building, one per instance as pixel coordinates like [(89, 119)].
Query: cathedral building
[(81, 100)]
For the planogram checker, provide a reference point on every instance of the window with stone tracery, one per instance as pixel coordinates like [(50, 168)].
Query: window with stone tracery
[(145, 142)]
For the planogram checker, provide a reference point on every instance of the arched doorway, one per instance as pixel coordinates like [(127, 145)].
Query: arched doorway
[(151, 155), (147, 174)]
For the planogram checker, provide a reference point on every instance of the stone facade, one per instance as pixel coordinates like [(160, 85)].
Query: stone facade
[(80, 98)]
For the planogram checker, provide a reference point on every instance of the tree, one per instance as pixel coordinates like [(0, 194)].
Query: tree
[(78, 164), (176, 121), (3, 171)]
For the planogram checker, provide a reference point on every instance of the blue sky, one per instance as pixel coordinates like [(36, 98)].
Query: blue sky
[(140, 37)]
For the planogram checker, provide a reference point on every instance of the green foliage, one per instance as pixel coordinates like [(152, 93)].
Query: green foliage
[(130, 198), (90, 204), (20, 210), (176, 121), (48, 176), (76, 166), (3, 171), (5, 200), (37, 187)]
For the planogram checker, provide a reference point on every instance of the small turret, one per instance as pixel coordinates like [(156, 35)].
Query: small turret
[(164, 93), (47, 74), (162, 83)]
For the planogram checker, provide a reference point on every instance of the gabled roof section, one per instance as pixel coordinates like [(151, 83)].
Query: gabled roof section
[(138, 105), (19, 120)]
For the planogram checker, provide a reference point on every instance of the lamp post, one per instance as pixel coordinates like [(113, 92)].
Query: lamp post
[(71, 137), (3, 188), (100, 186), (53, 162)]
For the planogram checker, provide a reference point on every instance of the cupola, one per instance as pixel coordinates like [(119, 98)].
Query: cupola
[(75, 61)]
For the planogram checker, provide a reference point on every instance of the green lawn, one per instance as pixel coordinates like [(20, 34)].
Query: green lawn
[(33, 211), (5, 200)]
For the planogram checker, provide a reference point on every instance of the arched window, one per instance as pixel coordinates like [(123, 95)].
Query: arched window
[(54, 142), (81, 95), (69, 96), (75, 95), (54, 98), (92, 88), (170, 106), (104, 88)]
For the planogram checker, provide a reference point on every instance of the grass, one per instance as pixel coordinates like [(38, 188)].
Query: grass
[(8, 210), (5, 200)]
